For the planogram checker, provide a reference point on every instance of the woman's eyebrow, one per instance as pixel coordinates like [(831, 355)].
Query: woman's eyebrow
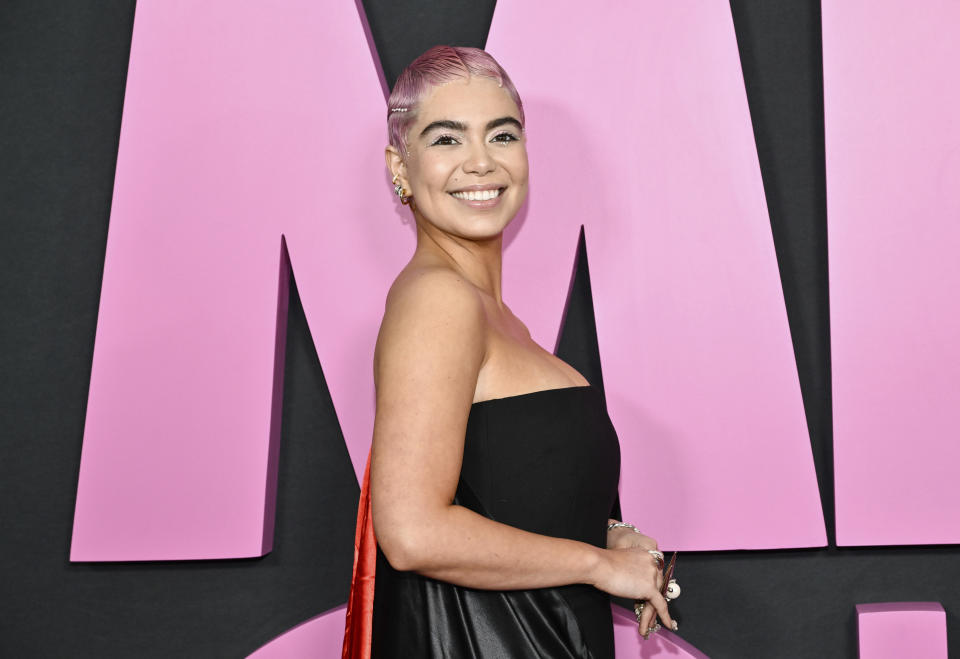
[(444, 123), (502, 121), (450, 124)]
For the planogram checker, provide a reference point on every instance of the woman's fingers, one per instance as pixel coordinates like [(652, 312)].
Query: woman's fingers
[(660, 604), (659, 581), (646, 620), (655, 606)]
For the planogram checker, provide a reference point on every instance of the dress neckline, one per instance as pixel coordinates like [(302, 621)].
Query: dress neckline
[(527, 394)]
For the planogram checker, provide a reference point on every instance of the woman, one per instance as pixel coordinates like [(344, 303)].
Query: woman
[(494, 465)]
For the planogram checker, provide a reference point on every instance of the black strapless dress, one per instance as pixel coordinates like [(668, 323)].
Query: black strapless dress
[(545, 461)]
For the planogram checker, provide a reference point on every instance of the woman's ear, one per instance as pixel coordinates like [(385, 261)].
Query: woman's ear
[(396, 165)]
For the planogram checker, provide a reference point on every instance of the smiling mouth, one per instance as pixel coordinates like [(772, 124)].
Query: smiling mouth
[(478, 195)]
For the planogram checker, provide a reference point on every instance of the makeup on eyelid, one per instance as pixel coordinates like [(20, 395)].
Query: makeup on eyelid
[(513, 138)]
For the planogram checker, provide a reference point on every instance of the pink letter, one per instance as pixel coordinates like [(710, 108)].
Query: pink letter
[(639, 129), (895, 630), (242, 123), (892, 103)]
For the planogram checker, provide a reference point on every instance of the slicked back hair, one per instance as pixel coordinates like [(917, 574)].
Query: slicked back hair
[(436, 66)]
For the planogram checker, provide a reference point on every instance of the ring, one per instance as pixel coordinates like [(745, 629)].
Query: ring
[(638, 609), (673, 590), (657, 555)]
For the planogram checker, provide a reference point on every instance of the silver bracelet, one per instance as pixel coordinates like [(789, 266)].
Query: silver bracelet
[(623, 525)]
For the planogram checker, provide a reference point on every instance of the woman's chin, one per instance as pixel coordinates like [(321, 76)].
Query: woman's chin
[(472, 227)]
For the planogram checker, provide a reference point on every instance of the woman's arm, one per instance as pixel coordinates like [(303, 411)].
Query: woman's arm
[(429, 353)]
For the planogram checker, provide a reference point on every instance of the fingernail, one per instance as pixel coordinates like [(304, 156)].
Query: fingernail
[(675, 626)]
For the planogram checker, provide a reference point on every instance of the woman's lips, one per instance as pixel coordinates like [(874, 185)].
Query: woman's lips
[(485, 203)]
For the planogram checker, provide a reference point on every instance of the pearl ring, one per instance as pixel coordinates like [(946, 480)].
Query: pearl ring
[(673, 590)]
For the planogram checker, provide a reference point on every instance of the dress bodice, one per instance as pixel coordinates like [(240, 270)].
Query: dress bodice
[(548, 462)]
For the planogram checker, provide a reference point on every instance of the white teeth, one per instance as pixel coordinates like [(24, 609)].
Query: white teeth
[(477, 195)]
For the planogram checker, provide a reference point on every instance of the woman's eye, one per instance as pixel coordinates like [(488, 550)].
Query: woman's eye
[(444, 139), (451, 140)]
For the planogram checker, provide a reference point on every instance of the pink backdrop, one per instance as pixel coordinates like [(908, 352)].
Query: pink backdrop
[(245, 125), (225, 149), (241, 123), (274, 132), (896, 630), (892, 118), (639, 129)]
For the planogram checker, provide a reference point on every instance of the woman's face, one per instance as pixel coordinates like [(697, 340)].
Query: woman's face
[(467, 158)]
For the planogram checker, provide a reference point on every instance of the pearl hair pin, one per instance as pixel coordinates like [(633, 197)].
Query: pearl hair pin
[(399, 109)]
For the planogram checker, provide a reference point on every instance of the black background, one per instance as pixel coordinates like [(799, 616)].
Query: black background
[(62, 75)]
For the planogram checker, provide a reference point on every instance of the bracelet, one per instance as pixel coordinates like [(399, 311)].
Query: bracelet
[(623, 525)]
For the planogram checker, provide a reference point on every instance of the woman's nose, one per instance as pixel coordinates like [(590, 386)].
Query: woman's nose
[(479, 160)]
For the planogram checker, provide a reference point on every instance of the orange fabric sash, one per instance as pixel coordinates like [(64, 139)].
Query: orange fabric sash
[(357, 636)]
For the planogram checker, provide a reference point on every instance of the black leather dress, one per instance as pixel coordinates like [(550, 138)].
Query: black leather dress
[(545, 461)]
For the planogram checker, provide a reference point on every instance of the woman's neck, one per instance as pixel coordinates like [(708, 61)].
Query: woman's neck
[(478, 261)]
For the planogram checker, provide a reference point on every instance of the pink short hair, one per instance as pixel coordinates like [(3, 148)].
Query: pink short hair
[(436, 66)]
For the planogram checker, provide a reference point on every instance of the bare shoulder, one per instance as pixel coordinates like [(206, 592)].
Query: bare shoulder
[(425, 297), (432, 319), (432, 286)]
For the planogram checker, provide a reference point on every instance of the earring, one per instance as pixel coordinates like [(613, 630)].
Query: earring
[(400, 191)]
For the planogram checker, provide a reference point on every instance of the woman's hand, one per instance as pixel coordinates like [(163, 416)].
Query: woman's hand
[(633, 572), (624, 538)]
